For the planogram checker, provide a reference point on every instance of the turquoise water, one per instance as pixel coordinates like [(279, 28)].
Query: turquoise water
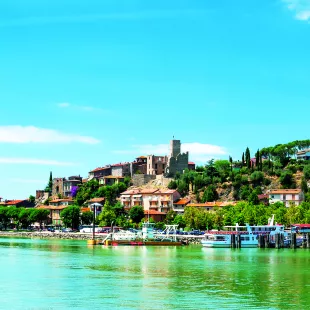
[(62, 274)]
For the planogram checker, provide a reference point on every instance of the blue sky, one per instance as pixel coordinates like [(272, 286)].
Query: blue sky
[(87, 83)]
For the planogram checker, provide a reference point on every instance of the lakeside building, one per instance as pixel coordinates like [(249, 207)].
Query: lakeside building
[(150, 199), (287, 196), (180, 204)]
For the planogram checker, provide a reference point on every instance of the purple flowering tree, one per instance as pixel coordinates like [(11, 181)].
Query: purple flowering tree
[(74, 190)]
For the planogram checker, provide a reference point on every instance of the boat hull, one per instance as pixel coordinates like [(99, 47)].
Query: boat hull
[(142, 243)]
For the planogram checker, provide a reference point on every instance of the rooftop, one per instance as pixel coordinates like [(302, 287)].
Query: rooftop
[(285, 191), (182, 201)]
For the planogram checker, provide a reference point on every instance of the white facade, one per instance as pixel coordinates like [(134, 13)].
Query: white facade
[(287, 196)]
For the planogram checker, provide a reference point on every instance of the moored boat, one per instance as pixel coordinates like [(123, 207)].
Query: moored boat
[(145, 237), (248, 235)]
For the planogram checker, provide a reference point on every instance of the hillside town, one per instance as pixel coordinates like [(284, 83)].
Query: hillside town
[(154, 182)]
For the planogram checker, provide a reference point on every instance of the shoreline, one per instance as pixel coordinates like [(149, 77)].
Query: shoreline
[(76, 236)]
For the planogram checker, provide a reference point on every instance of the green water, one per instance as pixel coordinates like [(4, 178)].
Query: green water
[(61, 274)]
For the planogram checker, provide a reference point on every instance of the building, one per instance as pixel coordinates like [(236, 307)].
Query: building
[(63, 187), (287, 196), (177, 162), (139, 166), (61, 202), (54, 216), (303, 154), (209, 206), (156, 165), (99, 200), (191, 165), (70, 183), (100, 172), (17, 203), (110, 180), (150, 199), (180, 204), (121, 170)]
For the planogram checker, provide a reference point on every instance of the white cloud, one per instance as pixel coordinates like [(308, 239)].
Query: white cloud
[(198, 152), (34, 161), (301, 8), (31, 134), (65, 105)]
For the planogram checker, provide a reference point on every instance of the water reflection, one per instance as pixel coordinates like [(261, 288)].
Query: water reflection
[(66, 274)]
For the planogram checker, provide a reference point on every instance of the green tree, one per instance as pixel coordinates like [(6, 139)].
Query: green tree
[(304, 185), (70, 216), (136, 214), (49, 186), (107, 216), (306, 172), (39, 215), (170, 217), (210, 194), (32, 199), (173, 184), (4, 217), (253, 198), (287, 180), (248, 158), (24, 217), (87, 217), (179, 220)]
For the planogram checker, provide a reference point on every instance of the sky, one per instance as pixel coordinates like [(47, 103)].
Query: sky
[(89, 83)]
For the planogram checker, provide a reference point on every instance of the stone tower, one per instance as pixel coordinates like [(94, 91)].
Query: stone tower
[(175, 147)]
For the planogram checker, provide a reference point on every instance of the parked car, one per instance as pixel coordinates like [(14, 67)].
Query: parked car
[(67, 230)]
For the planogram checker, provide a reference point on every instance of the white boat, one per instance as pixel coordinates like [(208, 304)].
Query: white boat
[(247, 234)]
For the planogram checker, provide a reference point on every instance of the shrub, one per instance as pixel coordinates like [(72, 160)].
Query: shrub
[(286, 179), (307, 172)]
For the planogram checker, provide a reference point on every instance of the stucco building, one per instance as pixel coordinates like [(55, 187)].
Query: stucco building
[(287, 196)]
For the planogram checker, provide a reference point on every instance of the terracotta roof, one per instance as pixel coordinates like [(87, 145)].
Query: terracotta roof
[(143, 157), (212, 204), (61, 200), (262, 196), (100, 168), (12, 202), (153, 212), (84, 180), (85, 209), (120, 164), (52, 207), (285, 191), (191, 163), (303, 152), (98, 199), (182, 201)]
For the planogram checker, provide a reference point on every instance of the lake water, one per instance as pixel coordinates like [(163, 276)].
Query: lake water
[(62, 274)]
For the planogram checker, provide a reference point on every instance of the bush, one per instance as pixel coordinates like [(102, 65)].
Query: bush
[(286, 179), (267, 182), (307, 172), (257, 177), (292, 168)]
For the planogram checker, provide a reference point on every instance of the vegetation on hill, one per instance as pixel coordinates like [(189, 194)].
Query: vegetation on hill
[(238, 180)]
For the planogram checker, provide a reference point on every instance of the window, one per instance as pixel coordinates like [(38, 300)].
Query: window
[(284, 197)]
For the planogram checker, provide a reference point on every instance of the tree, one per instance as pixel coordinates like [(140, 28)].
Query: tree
[(248, 158), (70, 216), (136, 214), (304, 185), (231, 162), (242, 160), (257, 158), (287, 180), (24, 217), (253, 198), (210, 194), (107, 216), (257, 177), (87, 217), (172, 185), (306, 172), (39, 215), (4, 217), (32, 199), (179, 220), (170, 217), (49, 186)]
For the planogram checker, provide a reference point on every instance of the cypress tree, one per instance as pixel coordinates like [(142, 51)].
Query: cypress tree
[(257, 159), (242, 161), (248, 157)]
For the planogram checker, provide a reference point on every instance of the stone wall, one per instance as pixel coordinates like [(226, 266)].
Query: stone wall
[(142, 179)]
